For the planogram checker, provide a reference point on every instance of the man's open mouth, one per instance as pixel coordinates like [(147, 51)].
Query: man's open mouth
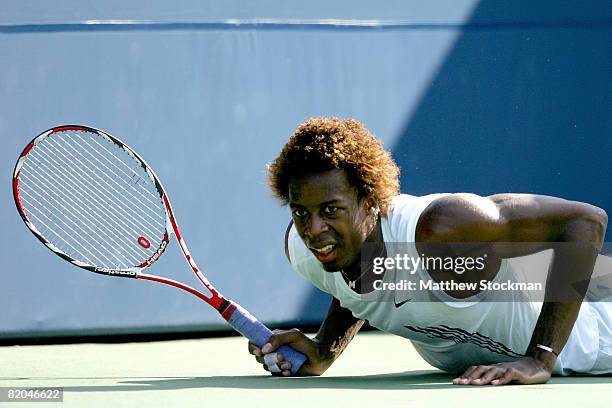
[(324, 253), (324, 250)]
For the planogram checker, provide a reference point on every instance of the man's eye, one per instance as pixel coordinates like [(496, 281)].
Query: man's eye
[(298, 213), (330, 210)]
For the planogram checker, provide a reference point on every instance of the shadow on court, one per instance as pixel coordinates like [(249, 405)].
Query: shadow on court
[(409, 380)]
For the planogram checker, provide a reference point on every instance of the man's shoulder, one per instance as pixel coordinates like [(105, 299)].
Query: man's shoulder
[(404, 212), (404, 205)]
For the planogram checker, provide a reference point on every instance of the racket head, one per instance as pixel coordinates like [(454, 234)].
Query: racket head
[(92, 200)]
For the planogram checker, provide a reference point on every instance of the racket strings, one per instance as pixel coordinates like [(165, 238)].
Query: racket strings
[(101, 175), (61, 224), (129, 173), (56, 236), (94, 182), (54, 198), (130, 178), (94, 228), (89, 190), (81, 203), (92, 199)]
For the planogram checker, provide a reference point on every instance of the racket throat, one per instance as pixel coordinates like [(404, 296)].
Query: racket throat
[(226, 308)]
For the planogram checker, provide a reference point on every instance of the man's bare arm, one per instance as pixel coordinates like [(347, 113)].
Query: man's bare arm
[(535, 222), (335, 333)]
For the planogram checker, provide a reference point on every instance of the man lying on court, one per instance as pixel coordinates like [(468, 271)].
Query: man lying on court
[(342, 189)]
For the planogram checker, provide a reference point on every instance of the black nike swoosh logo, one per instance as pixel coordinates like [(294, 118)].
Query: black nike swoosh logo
[(400, 304)]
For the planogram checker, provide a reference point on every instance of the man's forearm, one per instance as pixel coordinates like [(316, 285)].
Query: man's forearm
[(552, 330), (337, 330), (570, 272)]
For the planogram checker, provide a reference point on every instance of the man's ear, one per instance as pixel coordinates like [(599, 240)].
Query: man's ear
[(372, 205)]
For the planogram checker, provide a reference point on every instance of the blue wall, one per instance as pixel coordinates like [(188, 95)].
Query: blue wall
[(480, 96)]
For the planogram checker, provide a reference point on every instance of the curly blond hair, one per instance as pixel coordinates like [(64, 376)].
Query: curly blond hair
[(322, 144)]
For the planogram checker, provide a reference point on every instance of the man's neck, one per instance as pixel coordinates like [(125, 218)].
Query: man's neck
[(360, 276)]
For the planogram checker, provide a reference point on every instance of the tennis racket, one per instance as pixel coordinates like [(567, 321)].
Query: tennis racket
[(96, 203)]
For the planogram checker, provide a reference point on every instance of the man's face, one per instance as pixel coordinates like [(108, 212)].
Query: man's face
[(329, 217)]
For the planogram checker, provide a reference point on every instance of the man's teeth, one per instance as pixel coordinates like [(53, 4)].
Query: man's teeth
[(325, 249)]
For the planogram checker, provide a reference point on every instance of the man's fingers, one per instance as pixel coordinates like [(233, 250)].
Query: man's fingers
[(267, 359), (510, 375), (466, 376), (272, 359), (482, 375), (280, 337), (478, 372), (254, 350), (489, 375), (478, 375), (463, 378), (469, 371)]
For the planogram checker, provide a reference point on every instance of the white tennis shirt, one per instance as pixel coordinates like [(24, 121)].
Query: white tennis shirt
[(449, 334)]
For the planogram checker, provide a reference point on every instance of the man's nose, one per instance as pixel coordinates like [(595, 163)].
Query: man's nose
[(316, 226)]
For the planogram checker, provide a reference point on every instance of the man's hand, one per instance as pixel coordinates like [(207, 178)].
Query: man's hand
[(527, 370), (316, 364)]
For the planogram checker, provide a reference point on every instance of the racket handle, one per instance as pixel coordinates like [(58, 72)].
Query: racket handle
[(251, 328)]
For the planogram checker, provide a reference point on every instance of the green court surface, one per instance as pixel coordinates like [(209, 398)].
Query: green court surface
[(376, 370)]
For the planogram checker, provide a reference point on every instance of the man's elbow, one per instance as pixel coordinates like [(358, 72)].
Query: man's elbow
[(595, 222), (602, 221)]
